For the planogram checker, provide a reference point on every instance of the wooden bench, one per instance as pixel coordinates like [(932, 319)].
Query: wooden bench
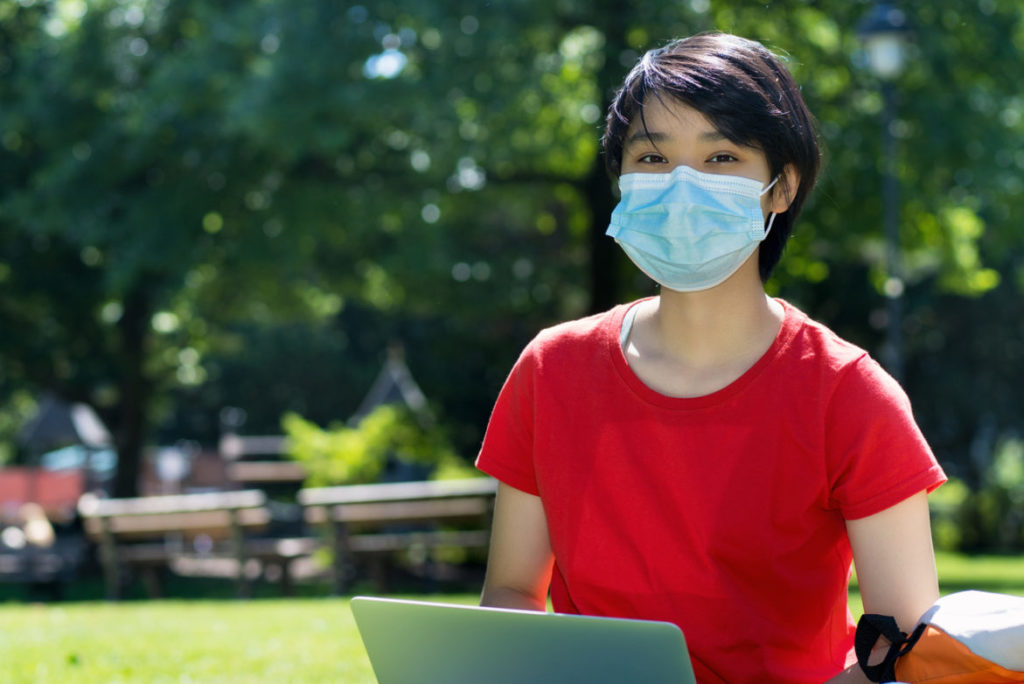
[(151, 533), (376, 520)]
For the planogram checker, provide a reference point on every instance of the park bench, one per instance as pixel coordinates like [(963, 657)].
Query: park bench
[(186, 532), (374, 521)]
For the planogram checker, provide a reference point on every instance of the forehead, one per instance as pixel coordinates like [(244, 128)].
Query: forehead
[(664, 117)]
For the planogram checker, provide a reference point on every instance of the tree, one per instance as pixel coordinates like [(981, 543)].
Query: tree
[(179, 179), (123, 206)]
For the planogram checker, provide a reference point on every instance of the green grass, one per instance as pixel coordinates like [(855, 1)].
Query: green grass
[(990, 573), (958, 572), (269, 640), (282, 640), (298, 640)]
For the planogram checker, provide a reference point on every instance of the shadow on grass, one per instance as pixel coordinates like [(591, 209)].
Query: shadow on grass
[(993, 586), (90, 587)]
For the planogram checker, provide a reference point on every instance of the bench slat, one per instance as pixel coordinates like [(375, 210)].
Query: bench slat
[(91, 506), (214, 523), (402, 511), (379, 543), (145, 553), (397, 491), (266, 471)]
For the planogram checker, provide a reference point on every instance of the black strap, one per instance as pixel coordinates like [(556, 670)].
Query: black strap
[(869, 628)]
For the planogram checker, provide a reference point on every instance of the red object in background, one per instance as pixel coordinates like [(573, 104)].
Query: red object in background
[(56, 491)]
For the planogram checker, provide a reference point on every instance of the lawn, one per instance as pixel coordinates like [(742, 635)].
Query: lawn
[(268, 640), (225, 641), (298, 640)]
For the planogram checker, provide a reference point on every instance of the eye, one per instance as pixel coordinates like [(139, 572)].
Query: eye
[(722, 157), (652, 158)]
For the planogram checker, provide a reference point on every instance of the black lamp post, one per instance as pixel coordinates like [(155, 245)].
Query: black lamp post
[(884, 33)]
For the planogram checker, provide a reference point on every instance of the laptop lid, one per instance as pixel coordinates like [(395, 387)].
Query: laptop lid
[(414, 642)]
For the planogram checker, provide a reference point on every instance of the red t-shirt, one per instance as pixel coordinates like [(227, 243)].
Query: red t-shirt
[(723, 513)]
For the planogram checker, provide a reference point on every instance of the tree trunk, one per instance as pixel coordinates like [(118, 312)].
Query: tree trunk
[(605, 257), (135, 393)]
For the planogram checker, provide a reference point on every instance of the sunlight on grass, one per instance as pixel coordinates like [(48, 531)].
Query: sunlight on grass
[(217, 642), (989, 573), (164, 641), (959, 572)]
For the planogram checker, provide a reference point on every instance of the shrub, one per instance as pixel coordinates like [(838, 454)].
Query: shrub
[(390, 438)]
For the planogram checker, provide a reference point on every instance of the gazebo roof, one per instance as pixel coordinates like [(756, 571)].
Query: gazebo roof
[(394, 385), (59, 424)]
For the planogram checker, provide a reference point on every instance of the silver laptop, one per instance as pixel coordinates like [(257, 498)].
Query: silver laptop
[(412, 642)]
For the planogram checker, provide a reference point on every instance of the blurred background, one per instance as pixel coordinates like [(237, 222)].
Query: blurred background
[(244, 227)]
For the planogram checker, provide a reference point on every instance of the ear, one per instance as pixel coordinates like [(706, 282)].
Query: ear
[(782, 195)]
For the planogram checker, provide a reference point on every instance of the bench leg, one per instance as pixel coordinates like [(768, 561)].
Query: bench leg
[(244, 590), (238, 542), (108, 560), (111, 574), (285, 568), (151, 581), (279, 570), (335, 533), (379, 563), (337, 575)]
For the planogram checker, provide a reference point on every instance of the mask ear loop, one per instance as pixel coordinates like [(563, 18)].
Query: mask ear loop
[(769, 186), (771, 214)]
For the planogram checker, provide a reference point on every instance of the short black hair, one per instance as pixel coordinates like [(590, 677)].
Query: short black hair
[(746, 92)]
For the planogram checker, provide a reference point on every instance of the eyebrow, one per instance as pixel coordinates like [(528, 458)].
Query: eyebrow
[(655, 137)]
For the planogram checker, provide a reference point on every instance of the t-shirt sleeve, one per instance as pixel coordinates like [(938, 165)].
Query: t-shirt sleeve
[(877, 456), (507, 451)]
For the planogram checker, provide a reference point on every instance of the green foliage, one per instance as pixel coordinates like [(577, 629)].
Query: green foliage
[(180, 182), (946, 504), (989, 517), (359, 454), (14, 413), (993, 516), (966, 276)]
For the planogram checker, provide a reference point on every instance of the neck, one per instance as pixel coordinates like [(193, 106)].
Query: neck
[(718, 326)]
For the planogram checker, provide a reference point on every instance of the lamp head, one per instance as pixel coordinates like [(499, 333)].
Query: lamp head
[(885, 32)]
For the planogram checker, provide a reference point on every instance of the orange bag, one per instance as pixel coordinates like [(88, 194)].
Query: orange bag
[(970, 637)]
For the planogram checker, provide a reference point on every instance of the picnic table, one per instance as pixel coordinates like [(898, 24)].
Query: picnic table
[(215, 530), (373, 521)]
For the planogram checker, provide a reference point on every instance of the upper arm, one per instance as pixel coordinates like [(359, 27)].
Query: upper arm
[(892, 551), (520, 558)]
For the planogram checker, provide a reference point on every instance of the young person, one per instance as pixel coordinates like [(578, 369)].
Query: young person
[(711, 456)]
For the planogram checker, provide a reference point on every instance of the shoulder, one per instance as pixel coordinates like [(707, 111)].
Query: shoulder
[(570, 339), (839, 362), (811, 339), (811, 334), (843, 368)]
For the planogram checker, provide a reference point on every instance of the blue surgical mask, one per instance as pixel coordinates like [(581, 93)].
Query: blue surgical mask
[(689, 230)]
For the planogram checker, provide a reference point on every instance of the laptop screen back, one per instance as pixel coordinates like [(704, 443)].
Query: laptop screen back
[(412, 642)]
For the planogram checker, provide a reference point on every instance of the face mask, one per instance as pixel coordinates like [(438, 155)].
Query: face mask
[(689, 230)]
